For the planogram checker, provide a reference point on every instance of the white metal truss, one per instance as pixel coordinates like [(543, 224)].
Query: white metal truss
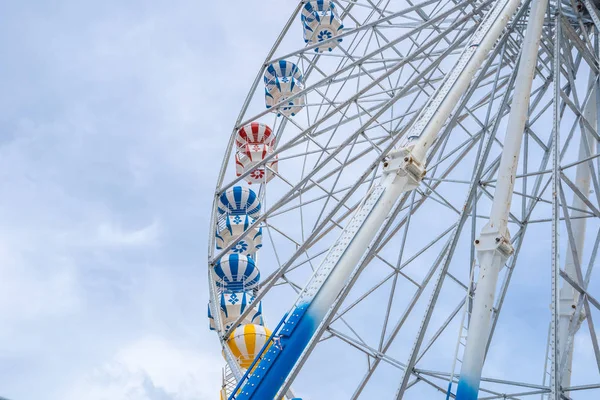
[(395, 332)]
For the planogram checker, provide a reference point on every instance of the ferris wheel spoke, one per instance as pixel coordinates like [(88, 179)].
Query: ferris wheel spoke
[(415, 41), (345, 143), (401, 38), (577, 192), (397, 271), (369, 351), (400, 323), (311, 152), (281, 271), (309, 128), (425, 281), (333, 187), (305, 203), (396, 274), (366, 4), (366, 26), (437, 287), (586, 297), (425, 197), (442, 327), (438, 198)]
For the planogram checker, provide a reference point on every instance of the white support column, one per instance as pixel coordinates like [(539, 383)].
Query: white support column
[(438, 109), (493, 245), (568, 295)]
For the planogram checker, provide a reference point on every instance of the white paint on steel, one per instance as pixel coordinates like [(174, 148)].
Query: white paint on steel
[(400, 175), (440, 106), (568, 295), (493, 245)]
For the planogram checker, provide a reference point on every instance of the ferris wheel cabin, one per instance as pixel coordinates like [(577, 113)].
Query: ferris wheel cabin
[(320, 22), (238, 207), (254, 142), (283, 80)]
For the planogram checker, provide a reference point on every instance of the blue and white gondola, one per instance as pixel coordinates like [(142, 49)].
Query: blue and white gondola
[(231, 227), (239, 200), (320, 22), (284, 79), (238, 207), (211, 320), (236, 272), (232, 305)]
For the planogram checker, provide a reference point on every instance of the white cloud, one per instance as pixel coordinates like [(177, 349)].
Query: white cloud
[(110, 234), (111, 122), (152, 368), (31, 294)]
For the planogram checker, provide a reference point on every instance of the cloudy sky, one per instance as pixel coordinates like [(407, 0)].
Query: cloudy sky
[(113, 119)]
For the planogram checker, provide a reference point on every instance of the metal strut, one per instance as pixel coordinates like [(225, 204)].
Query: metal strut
[(570, 317), (493, 245), (404, 168)]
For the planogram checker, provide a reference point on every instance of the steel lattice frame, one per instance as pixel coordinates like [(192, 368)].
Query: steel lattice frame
[(396, 332)]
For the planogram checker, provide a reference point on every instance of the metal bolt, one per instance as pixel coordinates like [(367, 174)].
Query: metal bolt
[(477, 241)]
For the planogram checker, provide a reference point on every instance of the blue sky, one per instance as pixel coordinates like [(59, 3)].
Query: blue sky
[(113, 119)]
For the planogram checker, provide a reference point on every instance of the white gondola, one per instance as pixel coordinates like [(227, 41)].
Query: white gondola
[(284, 79), (320, 21), (254, 142)]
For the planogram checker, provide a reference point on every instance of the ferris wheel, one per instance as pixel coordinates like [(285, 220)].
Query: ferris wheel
[(409, 204)]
